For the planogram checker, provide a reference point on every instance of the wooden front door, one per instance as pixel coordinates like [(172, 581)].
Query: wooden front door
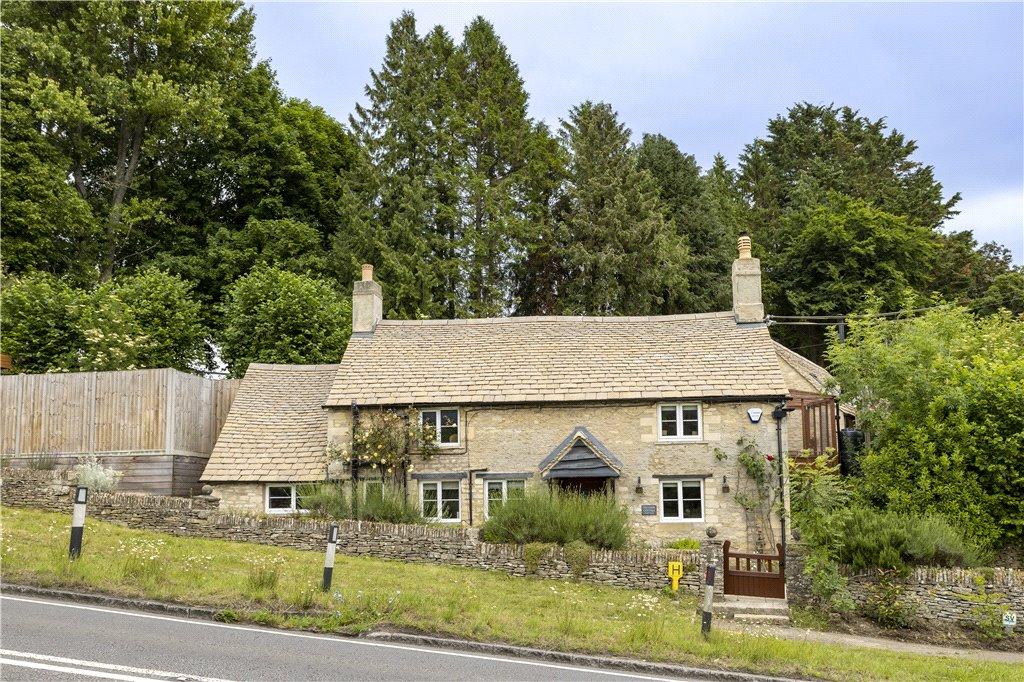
[(754, 575)]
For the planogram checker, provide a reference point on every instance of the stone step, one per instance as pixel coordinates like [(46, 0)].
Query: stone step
[(731, 606), (776, 618)]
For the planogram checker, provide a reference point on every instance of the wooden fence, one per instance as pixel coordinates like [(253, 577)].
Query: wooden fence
[(157, 425)]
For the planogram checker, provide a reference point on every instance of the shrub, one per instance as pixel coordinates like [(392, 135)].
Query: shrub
[(96, 477), (886, 540), (332, 500), (533, 552), (577, 555), (560, 518), (886, 604), (389, 506), (263, 575), (684, 543)]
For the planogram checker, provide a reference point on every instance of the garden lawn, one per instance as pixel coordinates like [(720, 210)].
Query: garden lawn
[(279, 587)]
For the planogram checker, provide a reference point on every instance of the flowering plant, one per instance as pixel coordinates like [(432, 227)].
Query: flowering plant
[(385, 439)]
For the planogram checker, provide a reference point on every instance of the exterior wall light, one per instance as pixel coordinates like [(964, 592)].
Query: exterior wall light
[(755, 414), (725, 484), (639, 486)]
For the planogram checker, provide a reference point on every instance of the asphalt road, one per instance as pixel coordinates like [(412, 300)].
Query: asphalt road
[(50, 640)]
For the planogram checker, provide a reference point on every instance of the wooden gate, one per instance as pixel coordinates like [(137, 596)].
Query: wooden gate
[(754, 575)]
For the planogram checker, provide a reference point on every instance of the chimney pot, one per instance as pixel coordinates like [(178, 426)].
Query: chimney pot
[(743, 244), (367, 272)]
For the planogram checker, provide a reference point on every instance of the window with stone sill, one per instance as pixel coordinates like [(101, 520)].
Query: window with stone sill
[(680, 422), (441, 501), (283, 498), (501, 491), (682, 500), (444, 425)]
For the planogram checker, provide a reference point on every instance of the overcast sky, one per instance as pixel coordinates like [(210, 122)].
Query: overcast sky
[(711, 76)]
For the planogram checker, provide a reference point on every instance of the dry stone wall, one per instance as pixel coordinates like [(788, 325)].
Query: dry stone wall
[(937, 593), (200, 517)]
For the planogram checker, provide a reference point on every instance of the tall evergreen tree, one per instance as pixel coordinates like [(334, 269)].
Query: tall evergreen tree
[(618, 254), (686, 197), (395, 132), (498, 138)]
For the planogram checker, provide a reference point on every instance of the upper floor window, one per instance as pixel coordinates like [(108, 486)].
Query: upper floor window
[(680, 421), (444, 424)]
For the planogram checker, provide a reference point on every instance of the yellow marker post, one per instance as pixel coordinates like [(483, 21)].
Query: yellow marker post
[(675, 571)]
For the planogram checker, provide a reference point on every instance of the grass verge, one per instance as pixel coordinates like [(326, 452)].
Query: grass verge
[(280, 587)]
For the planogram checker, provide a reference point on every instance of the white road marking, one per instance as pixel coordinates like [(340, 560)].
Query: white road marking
[(338, 640), (108, 666), (75, 671)]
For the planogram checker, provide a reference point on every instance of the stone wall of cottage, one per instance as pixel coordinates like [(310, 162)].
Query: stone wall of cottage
[(942, 594), (201, 516), (515, 439)]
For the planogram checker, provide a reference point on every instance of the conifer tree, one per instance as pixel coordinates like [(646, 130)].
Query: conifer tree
[(685, 196), (618, 254), (497, 175), (393, 131)]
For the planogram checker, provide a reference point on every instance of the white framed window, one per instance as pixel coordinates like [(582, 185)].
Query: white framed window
[(498, 492), (444, 424), (680, 422), (282, 498), (441, 501), (373, 488), (682, 500)]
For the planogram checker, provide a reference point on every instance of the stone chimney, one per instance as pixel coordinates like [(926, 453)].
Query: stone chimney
[(367, 303), (746, 284)]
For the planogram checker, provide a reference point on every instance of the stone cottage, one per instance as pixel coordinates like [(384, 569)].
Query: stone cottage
[(656, 410)]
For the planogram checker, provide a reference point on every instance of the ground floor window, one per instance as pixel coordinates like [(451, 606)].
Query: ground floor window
[(501, 491), (283, 498), (682, 500), (441, 500)]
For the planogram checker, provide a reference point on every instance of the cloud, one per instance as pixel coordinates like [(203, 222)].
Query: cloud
[(994, 216)]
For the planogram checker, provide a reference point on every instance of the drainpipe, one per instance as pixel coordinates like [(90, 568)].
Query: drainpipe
[(471, 472), (354, 462), (779, 413)]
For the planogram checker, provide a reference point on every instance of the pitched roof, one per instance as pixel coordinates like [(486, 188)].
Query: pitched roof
[(580, 454), (556, 359), (276, 429), (815, 374)]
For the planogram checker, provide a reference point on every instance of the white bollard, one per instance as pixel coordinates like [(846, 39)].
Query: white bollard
[(78, 521), (709, 593), (332, 543)]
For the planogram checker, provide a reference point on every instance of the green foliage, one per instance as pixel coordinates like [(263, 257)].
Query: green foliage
[(534, 553), (692, 203), (617, 253), (40, 329), (560, 518), (164, 309), (277, 316), (109, 84), (886, 603), (149, 319), (942, 396), (987, 614), (384, 440), (577, 555), (334, 501), (684, 543), (835, 236)]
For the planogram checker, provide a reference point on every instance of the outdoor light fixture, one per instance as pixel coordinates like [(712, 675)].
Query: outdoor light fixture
[(755, 414), (725, 484), (639, 486)]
